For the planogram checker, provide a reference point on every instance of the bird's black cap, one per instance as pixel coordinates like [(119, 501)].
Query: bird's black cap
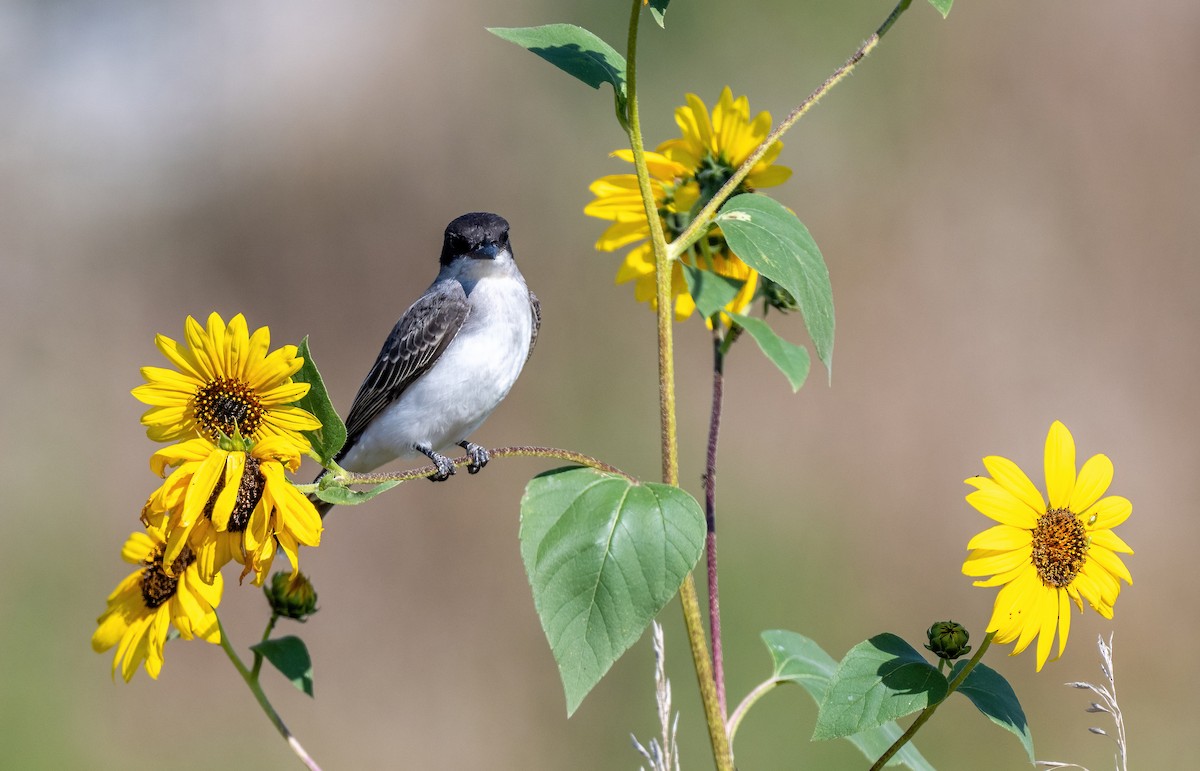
[(472, 232)]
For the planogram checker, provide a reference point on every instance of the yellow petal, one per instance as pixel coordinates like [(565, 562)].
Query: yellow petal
[(1110, 562), (983, 562), (1001, 505), (235, 464), (1094, 479), (1108, 513), (1060, 466), (1001, 538), (1111, 541), (1010, 476)]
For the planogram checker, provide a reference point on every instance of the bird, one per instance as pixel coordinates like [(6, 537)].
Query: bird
[(450, 359)]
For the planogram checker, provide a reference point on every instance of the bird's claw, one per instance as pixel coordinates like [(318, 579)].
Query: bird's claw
[(445, 466), (479, 456)]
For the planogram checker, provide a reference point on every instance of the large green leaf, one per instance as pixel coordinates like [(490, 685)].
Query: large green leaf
[(990, 692), (792, 360), (880, 679), (943, 6), (799, 660), (576, 52), (771, 240), (290, 656), (603, 555), (330, 437)]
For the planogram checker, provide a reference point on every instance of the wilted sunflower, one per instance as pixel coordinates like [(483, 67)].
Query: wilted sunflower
[(224, 381), (1046, 556), (232, 504), (149, 600)]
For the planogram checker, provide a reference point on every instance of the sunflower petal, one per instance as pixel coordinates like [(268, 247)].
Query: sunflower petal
[(1060, 466)]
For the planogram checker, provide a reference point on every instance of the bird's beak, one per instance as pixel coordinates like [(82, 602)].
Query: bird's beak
[(487, 251)]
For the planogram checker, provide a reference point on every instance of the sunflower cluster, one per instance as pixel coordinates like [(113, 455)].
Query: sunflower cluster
[(685, 173), (227, 410)]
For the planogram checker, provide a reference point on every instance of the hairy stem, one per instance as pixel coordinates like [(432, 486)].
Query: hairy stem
[(720, 346), (928, 711), (251, 679), (518, 451), (700, 223), (714, 716)]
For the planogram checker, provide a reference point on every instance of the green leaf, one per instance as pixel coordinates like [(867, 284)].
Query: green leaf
[(290, 656), (799, 660), (603, 555), (344, 496), (995, 698), (330, 437), (880, 679), (771, 240), (658, 9), (711, 291), (792, 360), (943, 6), (576, 52)]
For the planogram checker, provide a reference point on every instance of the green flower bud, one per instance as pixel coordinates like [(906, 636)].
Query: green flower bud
[(948, 640), (291, 595)]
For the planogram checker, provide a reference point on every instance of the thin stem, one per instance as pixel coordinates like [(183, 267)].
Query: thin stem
[(699, 224), (928, 711), (258, 657), (710, 511), (713, 714), (760, 690), (519, 451), (252, 683)]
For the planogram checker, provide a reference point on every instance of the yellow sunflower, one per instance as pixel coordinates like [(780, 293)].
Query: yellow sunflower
[(1046, 556), (225, 381), (232, 504), (685, 173), (149, 600)]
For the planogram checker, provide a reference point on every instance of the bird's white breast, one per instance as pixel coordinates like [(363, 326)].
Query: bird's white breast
[(462, 388)]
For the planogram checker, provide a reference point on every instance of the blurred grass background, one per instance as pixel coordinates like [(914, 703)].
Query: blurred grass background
[(1007, 201)]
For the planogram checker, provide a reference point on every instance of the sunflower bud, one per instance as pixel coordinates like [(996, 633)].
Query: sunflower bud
[(948, 640), (291, 595)]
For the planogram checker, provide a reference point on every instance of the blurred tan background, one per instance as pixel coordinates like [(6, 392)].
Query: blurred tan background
[(1007, 201)]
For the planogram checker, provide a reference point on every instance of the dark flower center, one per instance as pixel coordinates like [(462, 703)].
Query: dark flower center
[(224, 405), (157, 586), (249, 493), (1060, 545)]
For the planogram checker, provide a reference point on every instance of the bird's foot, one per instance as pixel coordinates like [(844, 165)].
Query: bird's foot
[(478, 455), (445, 466)]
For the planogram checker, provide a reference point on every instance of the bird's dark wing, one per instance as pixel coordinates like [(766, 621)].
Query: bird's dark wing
[(415, 343), (535, 308)]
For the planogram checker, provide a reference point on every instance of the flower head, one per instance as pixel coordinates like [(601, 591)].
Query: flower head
[(149, 600), (1047, 555), (225, 381), (684, 174), (232, 504)]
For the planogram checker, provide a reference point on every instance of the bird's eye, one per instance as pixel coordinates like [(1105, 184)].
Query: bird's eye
[(503, 240)]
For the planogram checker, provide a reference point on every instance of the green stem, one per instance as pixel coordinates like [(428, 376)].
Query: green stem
[(760, 690), (666, 399), (700, 223), (928, 711), (258, 657), (251, 679)]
